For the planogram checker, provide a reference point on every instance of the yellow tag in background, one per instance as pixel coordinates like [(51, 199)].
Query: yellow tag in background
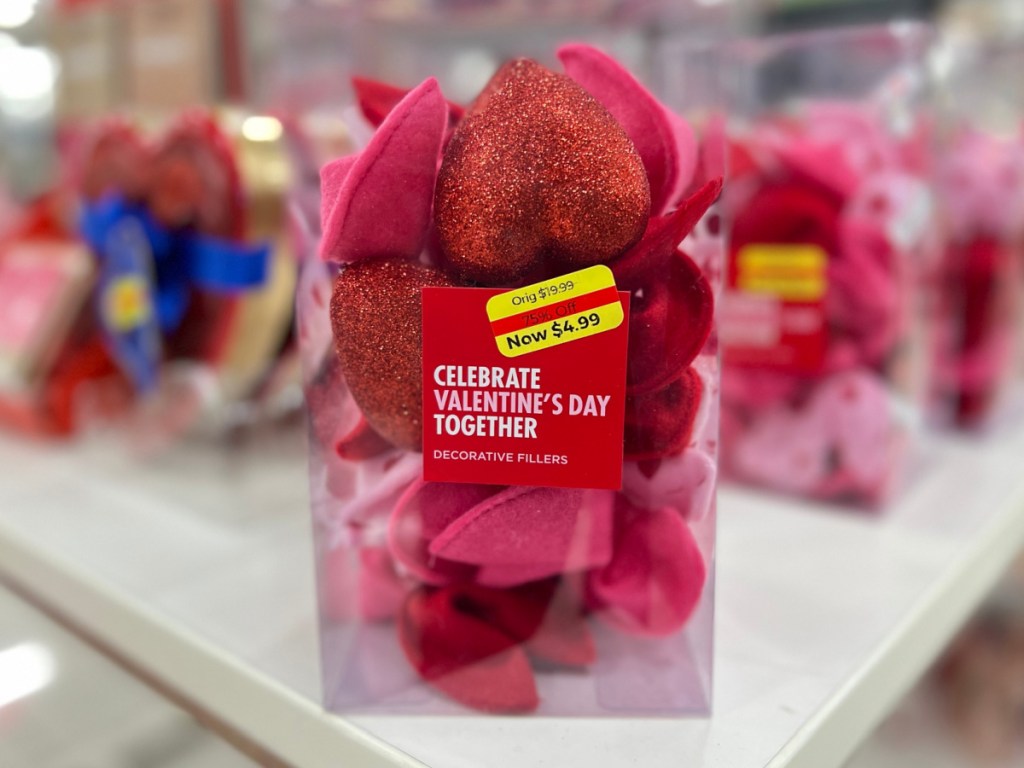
[(556, 311), (788, 271), (127, 304)]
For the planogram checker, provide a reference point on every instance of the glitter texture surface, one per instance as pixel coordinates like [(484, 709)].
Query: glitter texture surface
[(538, 173), (375, 313)]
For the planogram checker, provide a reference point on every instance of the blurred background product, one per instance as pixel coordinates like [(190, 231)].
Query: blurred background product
[(980, 182), (832, 229), (195, 317)]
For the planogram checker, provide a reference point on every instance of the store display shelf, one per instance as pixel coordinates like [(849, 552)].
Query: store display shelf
[(824, 617)]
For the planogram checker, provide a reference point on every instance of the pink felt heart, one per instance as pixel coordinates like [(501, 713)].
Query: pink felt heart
[(423, 511), (339, 592), (856, 409), (381, 589), (332, 184), (463, 656), (502, 575), (784, 450), (865, 297), (377, 100), (382, 206), (668, 152), (822, 163), (758, 388), (564, 530), (685, 483), (656, 576), (696, 160), (368, 490)]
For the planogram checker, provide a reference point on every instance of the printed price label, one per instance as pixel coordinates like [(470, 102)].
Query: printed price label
[(773, 312), (555, 312), (126, 304), (553, 419), (788, 272)]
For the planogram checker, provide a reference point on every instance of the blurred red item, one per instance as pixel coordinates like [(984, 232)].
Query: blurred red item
[(195, 184), (48, 406), (830, 222), (978, 318), (117, 160)]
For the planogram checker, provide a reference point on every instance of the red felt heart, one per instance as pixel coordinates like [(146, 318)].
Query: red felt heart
[(660, 423), (656, 576), (376, 318), (463, 656), (380, 207), (672, 304), (381, 590), (539, 174), (377, 100), (546, 616), (685, 483)]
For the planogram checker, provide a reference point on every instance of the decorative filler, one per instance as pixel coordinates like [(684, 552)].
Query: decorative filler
[(513, 383), (832, 230)]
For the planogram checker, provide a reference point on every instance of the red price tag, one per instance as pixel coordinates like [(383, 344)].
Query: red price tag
[(553, 417)]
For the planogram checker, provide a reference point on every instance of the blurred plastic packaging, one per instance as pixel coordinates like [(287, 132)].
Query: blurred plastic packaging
[(511, 512), (981, 196), (833, 235)]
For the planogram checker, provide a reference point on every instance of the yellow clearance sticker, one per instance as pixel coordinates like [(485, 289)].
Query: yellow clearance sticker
[(127, 304), (555, 311), (790, 272)]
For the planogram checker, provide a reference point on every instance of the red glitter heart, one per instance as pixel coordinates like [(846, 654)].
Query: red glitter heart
[(669, 161), (464, 656), (542, 173), (376, 317), (660, 423)]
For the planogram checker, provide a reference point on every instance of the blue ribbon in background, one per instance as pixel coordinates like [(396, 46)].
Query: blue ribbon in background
[(137, 255)]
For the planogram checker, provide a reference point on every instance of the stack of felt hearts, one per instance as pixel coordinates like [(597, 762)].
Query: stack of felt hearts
[(830, 220), (544, 174)]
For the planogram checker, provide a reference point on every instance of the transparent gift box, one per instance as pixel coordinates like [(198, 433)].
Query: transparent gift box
[(511, 371)]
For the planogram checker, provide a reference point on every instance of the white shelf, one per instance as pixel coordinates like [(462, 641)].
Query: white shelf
[(824, 617)]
